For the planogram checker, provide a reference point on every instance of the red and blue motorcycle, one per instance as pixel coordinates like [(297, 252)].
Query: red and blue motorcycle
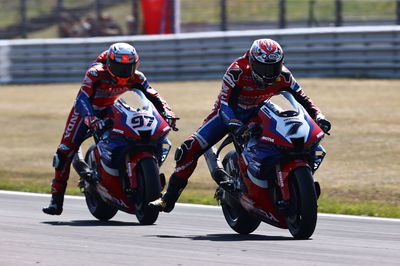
[(121, 171), (272, 172)]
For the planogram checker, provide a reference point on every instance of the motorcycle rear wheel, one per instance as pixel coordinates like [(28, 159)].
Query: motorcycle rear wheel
[(97, 207), (149, 189), (303, 208), (235, 215)]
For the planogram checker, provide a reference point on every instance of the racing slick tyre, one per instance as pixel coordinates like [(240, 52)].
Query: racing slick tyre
[(235, 215), (97, 207), (149, 189), (303, 207)]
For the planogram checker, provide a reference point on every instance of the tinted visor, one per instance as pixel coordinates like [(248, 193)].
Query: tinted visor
[(268, 72), (122, 70)]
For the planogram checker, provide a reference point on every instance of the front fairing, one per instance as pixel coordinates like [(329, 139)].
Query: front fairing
[(288, 133), (136, 118), (287, 124)]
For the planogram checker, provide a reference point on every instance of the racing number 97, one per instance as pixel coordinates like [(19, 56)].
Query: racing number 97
[(141, 120)]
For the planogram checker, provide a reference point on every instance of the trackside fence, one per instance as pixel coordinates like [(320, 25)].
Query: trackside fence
[(316, 52)]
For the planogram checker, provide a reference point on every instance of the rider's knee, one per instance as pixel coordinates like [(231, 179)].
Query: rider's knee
[(61, 156), (186, 151)]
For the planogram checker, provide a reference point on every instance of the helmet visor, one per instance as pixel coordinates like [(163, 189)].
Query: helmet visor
[(268, 72), (122, 70)]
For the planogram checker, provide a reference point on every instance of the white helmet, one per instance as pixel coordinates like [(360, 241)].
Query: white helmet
[(266, 61)]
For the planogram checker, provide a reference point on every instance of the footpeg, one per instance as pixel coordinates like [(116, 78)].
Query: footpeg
[(228, 185)]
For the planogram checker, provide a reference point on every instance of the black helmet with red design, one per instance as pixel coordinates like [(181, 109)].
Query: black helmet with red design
[(266, 61), (122, 61)]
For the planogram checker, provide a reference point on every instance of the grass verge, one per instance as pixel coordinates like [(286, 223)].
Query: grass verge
[(358, 176), (326, 204)]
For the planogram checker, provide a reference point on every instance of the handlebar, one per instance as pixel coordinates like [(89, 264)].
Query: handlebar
[(97, 133), (171, 120)]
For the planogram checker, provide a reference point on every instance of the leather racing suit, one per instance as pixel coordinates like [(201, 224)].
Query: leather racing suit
[(238, 99), (237, 102), (98, 92)]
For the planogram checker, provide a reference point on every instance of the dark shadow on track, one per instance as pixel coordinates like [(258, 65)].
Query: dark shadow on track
[(90, 223), (230, 237)]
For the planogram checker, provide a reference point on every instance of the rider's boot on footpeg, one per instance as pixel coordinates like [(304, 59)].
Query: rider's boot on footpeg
[(167, 202), (223, 180)]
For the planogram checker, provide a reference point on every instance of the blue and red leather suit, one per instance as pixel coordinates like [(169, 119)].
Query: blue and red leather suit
[(238, 99), (98, 92)]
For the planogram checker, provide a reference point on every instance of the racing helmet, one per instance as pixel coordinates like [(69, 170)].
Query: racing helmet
[(266, 61), (122, 61)]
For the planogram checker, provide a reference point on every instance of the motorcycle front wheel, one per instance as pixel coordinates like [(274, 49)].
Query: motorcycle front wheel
[(149, 189), (303, 209), (97, 207), (235, 215)]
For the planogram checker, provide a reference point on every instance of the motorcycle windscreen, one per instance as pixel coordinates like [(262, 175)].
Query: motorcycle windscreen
[(135, 101), (283, 104)]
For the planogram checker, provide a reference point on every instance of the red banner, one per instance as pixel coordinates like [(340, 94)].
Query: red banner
[(157, 16)]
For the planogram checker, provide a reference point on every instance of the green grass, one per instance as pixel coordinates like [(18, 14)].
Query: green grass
[(325, 205), (329, 205), (358, 176)]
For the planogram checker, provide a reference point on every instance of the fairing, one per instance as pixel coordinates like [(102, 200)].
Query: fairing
[(285, 121), (288, 132), (136, 117), (138, 132)]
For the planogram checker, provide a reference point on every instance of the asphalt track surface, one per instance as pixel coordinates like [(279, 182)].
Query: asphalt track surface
[(190, 235)]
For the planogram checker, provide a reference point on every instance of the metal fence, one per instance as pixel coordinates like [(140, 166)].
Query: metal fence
[(39, 18), (317, 52)]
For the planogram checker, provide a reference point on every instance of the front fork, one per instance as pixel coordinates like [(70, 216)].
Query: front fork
[(282, 172), (131, 162)]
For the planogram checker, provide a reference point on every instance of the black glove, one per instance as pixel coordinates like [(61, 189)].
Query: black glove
[(239, 130), (323, 123), (171, 120)]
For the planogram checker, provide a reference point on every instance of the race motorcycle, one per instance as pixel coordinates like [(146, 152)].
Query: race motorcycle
[(272, 171), (140, 134)]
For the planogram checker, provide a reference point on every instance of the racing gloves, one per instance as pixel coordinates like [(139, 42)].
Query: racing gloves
[(239, 130), (323, 123), (96, 124), (170, 119)]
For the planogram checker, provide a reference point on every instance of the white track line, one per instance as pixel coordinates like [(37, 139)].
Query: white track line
[(30, 194)]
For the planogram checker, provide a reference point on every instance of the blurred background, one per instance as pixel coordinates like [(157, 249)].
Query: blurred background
[(86, 18), (345, 53)]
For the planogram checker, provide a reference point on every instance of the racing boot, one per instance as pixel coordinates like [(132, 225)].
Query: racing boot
[(167, 202), (222, 178), (56, 204), (57, 198)]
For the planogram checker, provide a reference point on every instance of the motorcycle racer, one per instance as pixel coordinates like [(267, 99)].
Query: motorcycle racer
[(111, 74), (248, 81)]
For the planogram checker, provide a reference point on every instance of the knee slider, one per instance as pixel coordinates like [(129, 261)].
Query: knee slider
[(59, 160), (182, 151), (180, 154)]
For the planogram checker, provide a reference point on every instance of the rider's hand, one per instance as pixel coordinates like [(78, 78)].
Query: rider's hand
[(239, 130), (323, 123), (170, 119), (171, 122), (94, 123)]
